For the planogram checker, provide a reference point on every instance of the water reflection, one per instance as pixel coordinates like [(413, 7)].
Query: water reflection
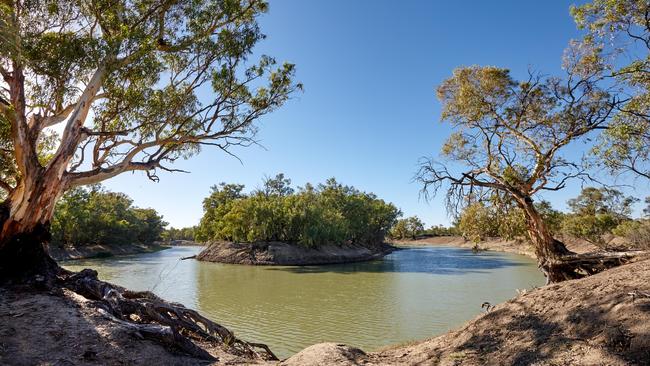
[(435, 261), (411, 294)]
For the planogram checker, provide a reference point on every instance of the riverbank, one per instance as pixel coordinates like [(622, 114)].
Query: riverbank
[(599, 320), (520, 247), (602, 319), (276, 253), (102, 250), (39, 327)]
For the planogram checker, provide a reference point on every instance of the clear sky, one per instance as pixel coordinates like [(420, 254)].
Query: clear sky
[(368, 112)]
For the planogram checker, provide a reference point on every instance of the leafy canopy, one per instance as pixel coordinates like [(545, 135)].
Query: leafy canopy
[(509, 135), (620, 31), (330, 213), (135, 84), (97, 216)]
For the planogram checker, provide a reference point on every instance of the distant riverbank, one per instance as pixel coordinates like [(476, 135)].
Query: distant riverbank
[(521, 247), (276, 253)]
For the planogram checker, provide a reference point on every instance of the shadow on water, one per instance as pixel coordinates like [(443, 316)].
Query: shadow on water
[(431, 260)]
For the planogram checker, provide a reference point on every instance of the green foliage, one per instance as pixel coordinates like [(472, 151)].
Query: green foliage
[(636, 233), (552, 217), (409, 227), (589, 227), (441, 230), (162, 78), (96, 216), (186, 233), (498, 218), (619, 31), (476, 223), (329, 214), (596, 212)]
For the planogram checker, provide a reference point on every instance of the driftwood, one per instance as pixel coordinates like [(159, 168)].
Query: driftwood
[(148, 316)]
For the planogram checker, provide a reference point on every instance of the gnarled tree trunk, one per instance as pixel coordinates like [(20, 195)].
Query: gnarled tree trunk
[(24, 236), (554, 259), (24, 228)]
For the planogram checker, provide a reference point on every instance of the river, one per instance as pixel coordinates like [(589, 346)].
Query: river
[(411, 294)]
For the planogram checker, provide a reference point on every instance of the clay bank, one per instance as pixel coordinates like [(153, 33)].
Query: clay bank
[(278, 253)]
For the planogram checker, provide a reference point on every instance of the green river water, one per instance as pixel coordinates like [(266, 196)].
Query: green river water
[(411, 294)]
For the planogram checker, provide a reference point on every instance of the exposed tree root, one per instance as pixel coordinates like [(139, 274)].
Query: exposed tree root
[(24, 261), (574, 266), (149, 316)]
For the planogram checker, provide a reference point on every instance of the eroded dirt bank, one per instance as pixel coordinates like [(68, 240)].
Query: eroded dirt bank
[(276, 253), (599, 320), (42, 328), (101, 250)]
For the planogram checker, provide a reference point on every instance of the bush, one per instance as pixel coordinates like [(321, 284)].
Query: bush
[(589, 227), (329, 214), (636, 232)]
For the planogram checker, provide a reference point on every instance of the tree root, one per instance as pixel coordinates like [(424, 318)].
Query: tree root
[(148, 316), (574, 266)]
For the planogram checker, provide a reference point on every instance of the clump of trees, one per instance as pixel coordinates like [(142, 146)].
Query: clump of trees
[(407, 228), (186, 233), (85, 216), (329, 213), (494, 218), (597, 215), (441, 230), (596, 212)]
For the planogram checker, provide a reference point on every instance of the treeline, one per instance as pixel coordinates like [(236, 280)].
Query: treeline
[(186, 233), (412, 228), (329, 213), (601, 216), (85, 216)]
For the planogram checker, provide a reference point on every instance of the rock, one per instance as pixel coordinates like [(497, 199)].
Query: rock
[(327, 354)]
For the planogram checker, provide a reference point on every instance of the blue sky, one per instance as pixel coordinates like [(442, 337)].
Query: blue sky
[(369, 111)]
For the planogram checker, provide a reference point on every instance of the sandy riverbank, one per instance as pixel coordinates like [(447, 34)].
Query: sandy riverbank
[(496, 244)]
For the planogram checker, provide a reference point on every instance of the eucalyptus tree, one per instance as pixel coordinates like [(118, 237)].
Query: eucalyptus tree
[(131, 86), (510, 138), (620, 30)]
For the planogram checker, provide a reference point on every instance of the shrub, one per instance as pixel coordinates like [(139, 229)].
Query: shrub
[(636, 232)]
